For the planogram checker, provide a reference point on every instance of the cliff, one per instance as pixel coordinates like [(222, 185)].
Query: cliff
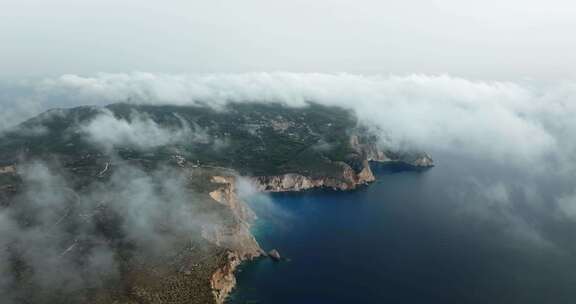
[(8, 169), (237, 237), (223, 279), (371, 151), (347, 177)]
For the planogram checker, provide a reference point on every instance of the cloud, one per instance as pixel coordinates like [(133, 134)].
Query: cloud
[(56, 231), (138, 131), (38, 232), (263, 205), (566, 206), (509, 121), (16, 104), (501, 204), (520, 123)]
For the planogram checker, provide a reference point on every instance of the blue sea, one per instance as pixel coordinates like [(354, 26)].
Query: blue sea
[(465, 231)]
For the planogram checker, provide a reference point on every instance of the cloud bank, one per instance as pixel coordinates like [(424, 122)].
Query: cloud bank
[(139, 131), (518, 122)]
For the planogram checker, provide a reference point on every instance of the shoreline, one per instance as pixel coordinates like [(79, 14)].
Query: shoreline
[(395, 165)]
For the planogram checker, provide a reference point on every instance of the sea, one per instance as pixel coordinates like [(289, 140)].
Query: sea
[(465, 231)]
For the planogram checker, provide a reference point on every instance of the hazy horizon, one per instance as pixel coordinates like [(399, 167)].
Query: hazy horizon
[(487, 40)]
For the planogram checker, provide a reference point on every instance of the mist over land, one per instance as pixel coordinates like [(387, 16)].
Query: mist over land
[(488, 119)]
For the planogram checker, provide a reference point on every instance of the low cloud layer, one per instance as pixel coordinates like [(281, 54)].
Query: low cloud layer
[(513, 122), (139, 131)]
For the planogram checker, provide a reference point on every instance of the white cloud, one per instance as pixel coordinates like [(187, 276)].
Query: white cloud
[(566, 206), (139, 132), (508, 121), (504, 205), (154, 210)]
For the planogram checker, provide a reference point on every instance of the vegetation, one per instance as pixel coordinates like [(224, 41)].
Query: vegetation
[(252, 138)]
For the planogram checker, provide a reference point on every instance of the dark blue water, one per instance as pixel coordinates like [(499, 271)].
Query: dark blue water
[(462, 232)]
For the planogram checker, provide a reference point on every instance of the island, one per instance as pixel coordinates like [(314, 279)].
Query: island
[(136, 203)]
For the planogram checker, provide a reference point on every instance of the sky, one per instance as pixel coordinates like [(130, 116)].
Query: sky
[(488, 40)]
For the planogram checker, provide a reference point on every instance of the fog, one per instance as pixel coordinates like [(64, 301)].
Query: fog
[(67, 240), (139, 131)]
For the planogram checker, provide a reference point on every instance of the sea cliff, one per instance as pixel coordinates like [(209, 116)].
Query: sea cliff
[(243, 244), (347, 178), (237, 238)]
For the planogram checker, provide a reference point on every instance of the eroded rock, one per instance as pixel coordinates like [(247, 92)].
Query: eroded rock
[(274, 255)]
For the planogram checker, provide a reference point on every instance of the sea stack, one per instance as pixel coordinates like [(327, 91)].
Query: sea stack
[(274, 255)]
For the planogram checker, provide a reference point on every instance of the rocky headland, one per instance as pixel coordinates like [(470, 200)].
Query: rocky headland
[(199, 227), (223, 281)]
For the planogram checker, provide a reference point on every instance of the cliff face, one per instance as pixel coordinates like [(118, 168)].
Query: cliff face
[(223, 280), (423, 161), (236, 237), (372, 152), (348, 179), (8, 169)]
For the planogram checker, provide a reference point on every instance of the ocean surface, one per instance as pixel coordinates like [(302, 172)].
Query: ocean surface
[(465, 231)]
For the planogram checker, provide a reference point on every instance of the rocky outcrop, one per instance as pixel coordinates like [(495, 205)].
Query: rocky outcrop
[(348, 179), (372, 152), (422, 160), (274, 255), (226, 194), (235, 236), (369, 151), (8, 169), (223, 280)]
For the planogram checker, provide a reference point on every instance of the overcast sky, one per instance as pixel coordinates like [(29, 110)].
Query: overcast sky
[(488, 39)]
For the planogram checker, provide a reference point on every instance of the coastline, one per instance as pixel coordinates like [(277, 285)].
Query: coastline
[(224, 280)]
